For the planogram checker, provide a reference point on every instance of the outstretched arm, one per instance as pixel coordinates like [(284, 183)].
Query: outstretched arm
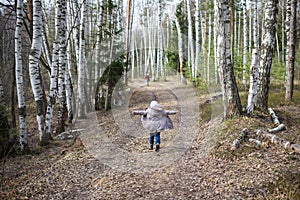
[(171, 112), (139, 112)]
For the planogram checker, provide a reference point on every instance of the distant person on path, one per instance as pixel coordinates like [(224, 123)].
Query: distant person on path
[(155, 120), (147, 77)]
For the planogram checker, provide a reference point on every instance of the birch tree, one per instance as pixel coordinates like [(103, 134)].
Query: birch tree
[(231, 99), (266, 53), (191, 57), (54, 70), (127, 42), (209, 47), (75, 32), (98, 71), (61, 114), (217, 80), (245, 34), (68, 78), (197, 29), (160, 71), (290, 60), (35, 76), (254, 65), (287, 28), (19, 77), (82, 62), (180, 50)]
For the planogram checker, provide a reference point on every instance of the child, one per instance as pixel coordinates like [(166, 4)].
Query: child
[(147, 77), (155, 119)]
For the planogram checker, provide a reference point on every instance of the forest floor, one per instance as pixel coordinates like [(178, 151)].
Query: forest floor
[(106, 156)]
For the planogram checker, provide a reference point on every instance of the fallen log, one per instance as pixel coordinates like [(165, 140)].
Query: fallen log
[(259, 143), (274, 117), (279, 141), (237, 142), (280, 127)]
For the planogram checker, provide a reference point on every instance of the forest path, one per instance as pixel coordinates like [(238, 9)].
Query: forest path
[(111, 159), (119, 133)]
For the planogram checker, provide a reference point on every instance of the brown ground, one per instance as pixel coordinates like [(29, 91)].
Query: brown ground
[(207, 169)]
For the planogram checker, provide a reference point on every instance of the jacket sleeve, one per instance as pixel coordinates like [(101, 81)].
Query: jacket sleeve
[(139, 112), (171, 112)]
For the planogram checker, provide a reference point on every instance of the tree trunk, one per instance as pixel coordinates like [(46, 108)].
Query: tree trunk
[(191, 61), (231, 99), (290, 61), (217, 80), (197, 29), (266, 54), (232, 29), (54, 71), (19, 77), (30, 17), (35, 76), (4, 126), (68, 78), (160, 73), (62, 106), (254, 66), (180, 50), (82, 63), (245, 50), (208, 48), (127, 42)]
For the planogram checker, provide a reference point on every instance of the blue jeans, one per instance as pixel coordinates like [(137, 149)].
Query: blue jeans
[(157, 138)]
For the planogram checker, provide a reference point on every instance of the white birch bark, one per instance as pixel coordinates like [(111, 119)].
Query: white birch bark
[(277, 46), (19, 78), (127, 41), (132, 54), (290, 57), (191, 58), (231, 99), (61, 94), (68, 79), (266, 53), (282, 30), (180, 50), (160, 72), (82, 63), (35, 76), (197, 29), (254, 65), (215, 45), (75, 32), (209, 48), (239, 34), (146, 46), (250, 29), (245, 34), (54, 70), (287, 28), (68, 83), (98, 71)]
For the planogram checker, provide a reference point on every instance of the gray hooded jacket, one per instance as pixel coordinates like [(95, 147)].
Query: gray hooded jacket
[(155, 118)]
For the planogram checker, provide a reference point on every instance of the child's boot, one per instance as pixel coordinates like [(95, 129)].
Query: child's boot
[(157, 148), (151, 147)]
